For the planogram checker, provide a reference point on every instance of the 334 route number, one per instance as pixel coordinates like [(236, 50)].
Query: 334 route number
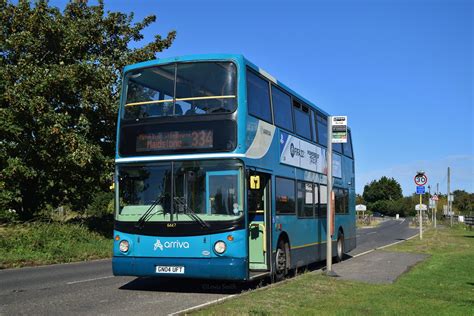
[(421, 179)]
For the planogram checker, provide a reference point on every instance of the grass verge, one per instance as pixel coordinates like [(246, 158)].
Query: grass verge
[(442, 285), (46, 243)]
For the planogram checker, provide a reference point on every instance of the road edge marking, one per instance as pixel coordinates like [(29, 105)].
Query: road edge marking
[(88, 280)]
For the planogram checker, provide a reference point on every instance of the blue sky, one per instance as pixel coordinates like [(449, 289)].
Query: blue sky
[(402, 71)]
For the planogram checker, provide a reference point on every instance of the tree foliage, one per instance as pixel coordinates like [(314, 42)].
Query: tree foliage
[(384, 196), (463, 202), (59, 92), (383, 189)]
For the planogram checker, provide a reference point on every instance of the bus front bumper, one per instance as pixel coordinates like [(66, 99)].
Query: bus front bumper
[(205, 268)]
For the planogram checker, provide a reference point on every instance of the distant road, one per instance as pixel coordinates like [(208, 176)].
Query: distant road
[(90, 287), (388, 232)]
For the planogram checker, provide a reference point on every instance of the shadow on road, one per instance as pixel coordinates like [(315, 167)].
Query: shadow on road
[(160, 284), (190, 285)]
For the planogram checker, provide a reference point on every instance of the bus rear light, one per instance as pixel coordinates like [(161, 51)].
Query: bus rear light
[(220, 247)]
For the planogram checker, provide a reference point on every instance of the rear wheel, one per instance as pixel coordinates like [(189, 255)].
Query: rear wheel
[(281, 261), (340, 247)]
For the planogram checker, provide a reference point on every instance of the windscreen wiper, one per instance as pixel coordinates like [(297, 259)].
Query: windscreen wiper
[(148, 214), (190, 212)]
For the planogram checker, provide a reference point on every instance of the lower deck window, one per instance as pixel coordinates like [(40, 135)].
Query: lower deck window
[(341, 200), (305, 199), (285, 196)]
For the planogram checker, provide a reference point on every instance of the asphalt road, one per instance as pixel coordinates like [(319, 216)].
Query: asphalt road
[(90, 288), (389, 231)]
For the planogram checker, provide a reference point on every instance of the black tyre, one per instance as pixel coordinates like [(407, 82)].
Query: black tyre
[(340, 247), (281, 261)]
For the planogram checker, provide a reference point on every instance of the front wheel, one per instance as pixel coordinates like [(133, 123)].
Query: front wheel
[(281, 261), (340, 247)]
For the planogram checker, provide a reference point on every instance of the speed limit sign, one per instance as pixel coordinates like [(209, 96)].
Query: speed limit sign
[(421, 179)]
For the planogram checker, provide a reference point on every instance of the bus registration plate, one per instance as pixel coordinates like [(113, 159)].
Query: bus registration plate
[(170, 269)]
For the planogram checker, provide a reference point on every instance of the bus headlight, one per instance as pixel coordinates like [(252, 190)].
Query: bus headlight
[(124, 246), (220, 247)]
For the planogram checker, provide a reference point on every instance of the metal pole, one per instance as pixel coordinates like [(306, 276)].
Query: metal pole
[(421, 219), (436, 203), (329, 200), (429, 204), (449, 193)]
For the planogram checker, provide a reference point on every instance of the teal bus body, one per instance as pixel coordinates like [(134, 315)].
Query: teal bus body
[(171, 155)]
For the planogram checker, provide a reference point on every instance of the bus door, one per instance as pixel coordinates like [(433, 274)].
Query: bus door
[(259, 220)]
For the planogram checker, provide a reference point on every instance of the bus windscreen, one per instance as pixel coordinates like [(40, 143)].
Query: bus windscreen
[(197, 88)]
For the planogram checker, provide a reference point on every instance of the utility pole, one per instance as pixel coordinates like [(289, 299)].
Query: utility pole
[(449, 196)]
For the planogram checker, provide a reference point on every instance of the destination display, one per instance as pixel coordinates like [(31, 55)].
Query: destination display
[(299, 153), (178, 140), (159, 137)]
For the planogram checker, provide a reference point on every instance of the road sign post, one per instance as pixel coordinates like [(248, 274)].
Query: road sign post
[(420, 180)]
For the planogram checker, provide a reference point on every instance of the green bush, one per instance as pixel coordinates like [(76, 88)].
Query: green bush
[(45, 243), (8, 216), (102, 204)]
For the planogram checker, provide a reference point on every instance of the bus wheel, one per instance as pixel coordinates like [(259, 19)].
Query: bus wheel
[(281, 261), (340, 247)]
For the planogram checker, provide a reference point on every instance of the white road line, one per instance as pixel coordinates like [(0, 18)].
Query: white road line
[(202, 305), (382, 247), (88, 280), (371, 233)]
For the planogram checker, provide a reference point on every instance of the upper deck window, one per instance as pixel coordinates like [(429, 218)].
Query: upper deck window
[(258, 96), (302, 119), (282, 109), (181, 89), (337, 147), (322, 129), (348, 146)]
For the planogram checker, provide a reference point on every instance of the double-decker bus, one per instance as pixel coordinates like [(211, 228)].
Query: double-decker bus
[(221, 173)]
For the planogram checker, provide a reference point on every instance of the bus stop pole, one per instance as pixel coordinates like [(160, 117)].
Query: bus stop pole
[(329, 200)]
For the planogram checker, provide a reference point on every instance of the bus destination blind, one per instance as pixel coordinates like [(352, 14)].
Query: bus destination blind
[(174, 140)]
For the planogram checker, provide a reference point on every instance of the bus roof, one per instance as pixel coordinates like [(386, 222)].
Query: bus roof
[(233, 57)]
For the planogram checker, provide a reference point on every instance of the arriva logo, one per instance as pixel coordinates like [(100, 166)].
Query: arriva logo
[(157, 245), (170, 245)]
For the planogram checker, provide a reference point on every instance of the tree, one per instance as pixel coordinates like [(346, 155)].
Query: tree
[(463, 202), (59, 91), (359, 199), (383, 189)]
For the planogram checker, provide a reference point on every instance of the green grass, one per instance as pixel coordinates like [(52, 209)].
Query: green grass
[(46, 243), (441, 285)]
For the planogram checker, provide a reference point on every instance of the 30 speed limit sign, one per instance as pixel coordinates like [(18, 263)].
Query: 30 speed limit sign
[(421, 179)]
